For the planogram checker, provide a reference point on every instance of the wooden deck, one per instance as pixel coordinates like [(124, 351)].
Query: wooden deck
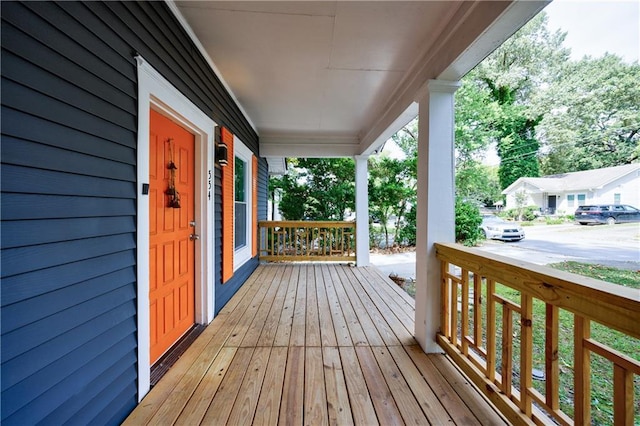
[(313, 344)]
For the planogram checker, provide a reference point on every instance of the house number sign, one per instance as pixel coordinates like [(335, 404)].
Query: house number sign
[(209, 185)]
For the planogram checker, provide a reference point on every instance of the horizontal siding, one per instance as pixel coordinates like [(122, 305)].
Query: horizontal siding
[(68, 202)]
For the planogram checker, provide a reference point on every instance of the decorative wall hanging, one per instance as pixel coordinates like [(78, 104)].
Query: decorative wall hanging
[(172, 192)]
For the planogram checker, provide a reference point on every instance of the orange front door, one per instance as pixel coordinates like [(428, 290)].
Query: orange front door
[(171, 248)]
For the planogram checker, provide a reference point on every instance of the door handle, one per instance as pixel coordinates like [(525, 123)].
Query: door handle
[(194, 237)]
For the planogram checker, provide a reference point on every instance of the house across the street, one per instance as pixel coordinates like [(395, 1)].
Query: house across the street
[(563, 193)]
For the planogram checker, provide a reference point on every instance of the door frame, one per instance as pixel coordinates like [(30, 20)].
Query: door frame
[(155, 92)]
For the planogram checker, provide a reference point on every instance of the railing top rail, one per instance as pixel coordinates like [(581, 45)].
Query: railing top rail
[(612, 305), (306, 223)]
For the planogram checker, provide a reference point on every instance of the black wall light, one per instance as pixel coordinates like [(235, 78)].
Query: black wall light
[(221, 154)]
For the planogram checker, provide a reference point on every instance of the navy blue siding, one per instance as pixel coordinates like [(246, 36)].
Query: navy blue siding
[(68, 202)]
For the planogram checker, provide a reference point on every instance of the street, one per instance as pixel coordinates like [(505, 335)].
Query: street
[(617, 246)]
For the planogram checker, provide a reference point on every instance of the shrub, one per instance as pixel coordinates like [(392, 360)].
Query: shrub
[(407, 232), (468, 220), (529, 213)]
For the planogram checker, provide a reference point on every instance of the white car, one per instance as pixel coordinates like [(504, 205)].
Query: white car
[(495, 228)]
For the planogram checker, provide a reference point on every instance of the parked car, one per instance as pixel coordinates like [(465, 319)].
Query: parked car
[(495, 228), (606, 213)]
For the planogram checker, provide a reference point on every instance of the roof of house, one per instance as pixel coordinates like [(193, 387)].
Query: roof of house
[(585, 180)]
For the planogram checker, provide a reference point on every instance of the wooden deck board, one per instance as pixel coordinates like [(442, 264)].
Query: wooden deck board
[(339, 410), (268, 409), (343, 337), (313, 344)]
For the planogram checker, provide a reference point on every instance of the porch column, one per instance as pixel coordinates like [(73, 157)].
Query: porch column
[(436, 201), (362, 210)]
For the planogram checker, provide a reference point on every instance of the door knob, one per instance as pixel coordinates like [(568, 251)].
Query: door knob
[(194, 237)]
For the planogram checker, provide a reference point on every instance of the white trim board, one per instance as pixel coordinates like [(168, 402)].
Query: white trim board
[(243, 254), (155, 92)]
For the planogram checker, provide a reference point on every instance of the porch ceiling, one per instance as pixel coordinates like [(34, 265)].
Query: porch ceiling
[(334, 78)]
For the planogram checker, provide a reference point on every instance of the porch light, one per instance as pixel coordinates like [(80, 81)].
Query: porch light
[(221, 154)]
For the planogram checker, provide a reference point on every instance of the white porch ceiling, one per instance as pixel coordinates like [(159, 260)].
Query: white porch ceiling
[(337, 78)]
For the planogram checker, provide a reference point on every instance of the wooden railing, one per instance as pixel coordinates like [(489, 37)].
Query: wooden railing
[(500, 321), (307, 241)]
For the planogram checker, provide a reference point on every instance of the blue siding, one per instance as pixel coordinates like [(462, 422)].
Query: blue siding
[(68, 202)]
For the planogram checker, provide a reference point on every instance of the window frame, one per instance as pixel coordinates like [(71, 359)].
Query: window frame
[(243, 254)]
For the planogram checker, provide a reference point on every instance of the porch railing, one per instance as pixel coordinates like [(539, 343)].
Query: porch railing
[(500, 323), (307, 241)]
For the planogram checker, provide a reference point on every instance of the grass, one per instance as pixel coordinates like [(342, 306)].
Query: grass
[(601, 369)]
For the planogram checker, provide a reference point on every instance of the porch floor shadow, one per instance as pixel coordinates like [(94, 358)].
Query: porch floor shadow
[(314, 344)]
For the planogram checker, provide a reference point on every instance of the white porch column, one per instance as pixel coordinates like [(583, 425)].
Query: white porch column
[(436, 202), (362, 210)]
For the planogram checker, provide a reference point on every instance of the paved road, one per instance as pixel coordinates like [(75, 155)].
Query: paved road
[(617, 245)]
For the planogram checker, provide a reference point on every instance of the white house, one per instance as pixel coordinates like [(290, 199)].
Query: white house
[(563, 193)]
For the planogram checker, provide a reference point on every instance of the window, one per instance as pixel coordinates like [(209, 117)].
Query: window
[(581, 199), (571, 200), (242, 204), (617, 198)]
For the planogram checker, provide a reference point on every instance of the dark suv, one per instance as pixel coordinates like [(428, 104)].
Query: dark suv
[(607, 213)]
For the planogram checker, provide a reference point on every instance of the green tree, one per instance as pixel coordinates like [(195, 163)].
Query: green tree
[(292, 192), (515, 75), (391, 191), (317, 188), (477, 182), (594, 116)]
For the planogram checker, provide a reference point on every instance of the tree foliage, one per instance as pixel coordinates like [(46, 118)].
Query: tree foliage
[(468, 222), (317, 189), (593, 117), (512, 77), (392, 191)]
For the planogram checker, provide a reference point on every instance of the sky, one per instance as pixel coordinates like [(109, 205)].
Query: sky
[(595, 27)]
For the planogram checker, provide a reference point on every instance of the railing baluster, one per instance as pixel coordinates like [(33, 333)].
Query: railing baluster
[(454, 312), (491, 331), (444, 296), (526, 352), (552, 373), (622, 396), (477, 310), (507, 349), (464, 317), (581, 371)]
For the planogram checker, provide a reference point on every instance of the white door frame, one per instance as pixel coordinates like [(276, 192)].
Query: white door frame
[(155, 92)]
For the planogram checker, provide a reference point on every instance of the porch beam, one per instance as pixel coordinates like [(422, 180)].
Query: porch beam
[(362, 210), (436, 200)]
